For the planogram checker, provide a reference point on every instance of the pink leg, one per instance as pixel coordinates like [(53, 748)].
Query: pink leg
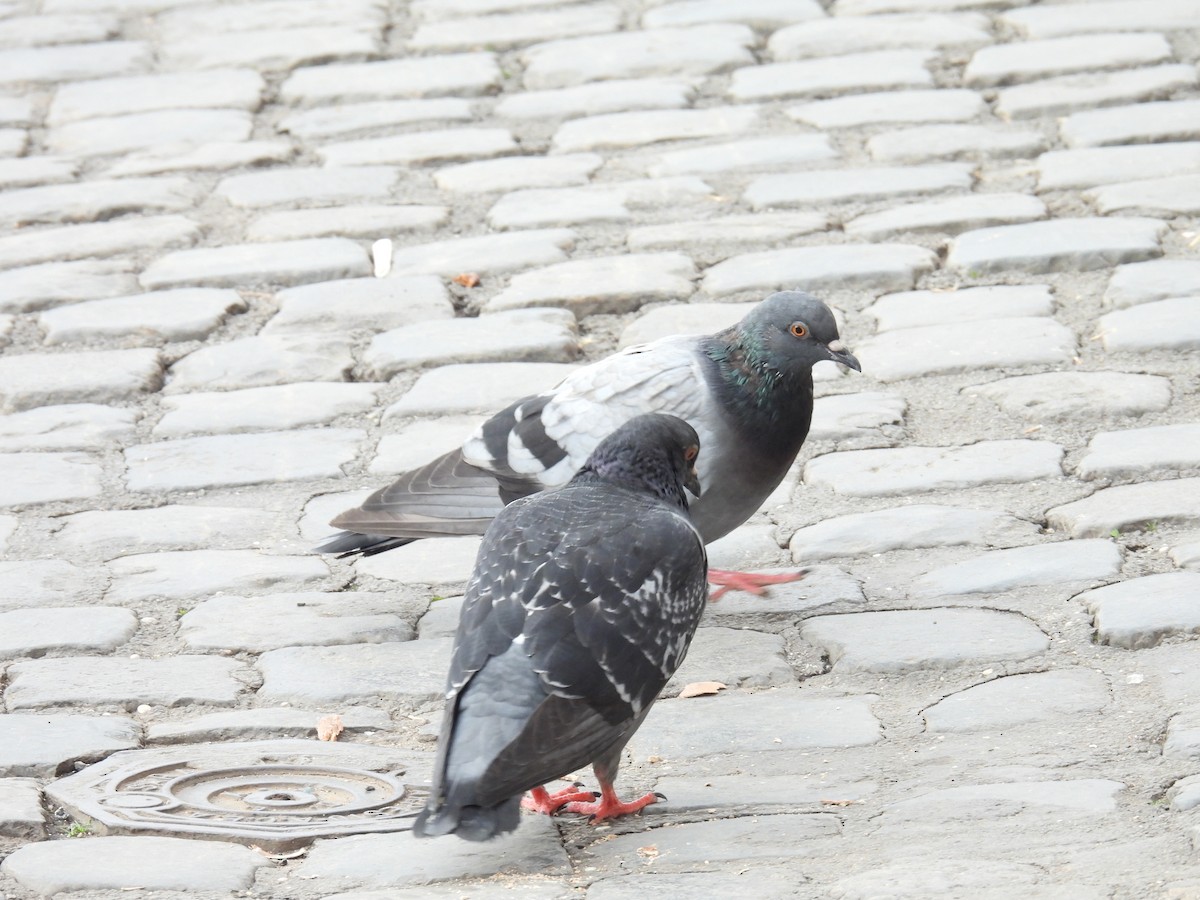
[(609, 806), (751, 582), (542, 801)]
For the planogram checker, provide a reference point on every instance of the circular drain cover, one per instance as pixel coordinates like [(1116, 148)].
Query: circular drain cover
[(277, 794)]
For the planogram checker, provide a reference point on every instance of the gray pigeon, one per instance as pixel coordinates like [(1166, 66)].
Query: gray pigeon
[(581, 607), (747, 391)]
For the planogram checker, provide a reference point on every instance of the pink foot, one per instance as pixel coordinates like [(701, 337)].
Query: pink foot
[(751, 582), (609, 806), (542, 801)]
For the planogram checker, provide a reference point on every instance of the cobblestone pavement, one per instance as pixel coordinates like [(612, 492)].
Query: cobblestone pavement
[(987, 688)]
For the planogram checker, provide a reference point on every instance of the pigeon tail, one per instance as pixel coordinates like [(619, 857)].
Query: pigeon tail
[(471, 823)]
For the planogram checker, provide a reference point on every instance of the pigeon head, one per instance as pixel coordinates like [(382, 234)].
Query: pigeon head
[(793, 329), (654, 452)]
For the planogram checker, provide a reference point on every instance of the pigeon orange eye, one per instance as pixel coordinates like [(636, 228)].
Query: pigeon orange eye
[(690, 453), (799, 329)]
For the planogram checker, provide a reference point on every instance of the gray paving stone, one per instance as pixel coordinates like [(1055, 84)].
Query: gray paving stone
[(307, 184), (103, 681), (406, 671), (735, 657), (903, 470), (96, 199), (152, 863), (46, 745), (33, 632), (1057, 96), (850, 416), (435, 561), (69, 62), (1003, 570), (44, 379), (1184, 794), (372, 304), (1019, 700), (757, 228), (270, 48), (1077, 395), (1141, 612), (35, 30), (188, 18), (395, 860), (1155, 280), (119, 236), (47, 477), (351, 117), (950, 216), (1183, 736), (884, 266), (767, 885), (631, 129), (835, 74), (696, 50), (343, 221), (838, 35), (214, 89), (1164, 325), (1186, 553), (951, 105), (751, 153), (1003, 63), (138, 131), (16, 110), (764, 14), (13, 141), (77, 426), (42, 582), (912, 640), (843, 185), (965, 346), (1052, 20), (915, 527), (514, 29), (915, 309), (255, 624), (487, 254), (428, 10), (513, 173), (1107, 165), (420, 442), (761, 722), (939, 141), (263, 360), (441, 619), (263, 724), (971, 877), (34, 170), (235, 459), (600, 284), (8, 524), (610, 201), (1057, 245), (186, 574), (1139, 451), (532, 335), (281, 262), (178, 315), (419, 147), (108, 533), (274, 408), (21, 813), (616, 95), (1175, 120), (823, 588), (1156, 196), (465, 74), (207, 156), (689, 318), (1129, 507), (475, 387), (748, 546), (1008, 799)]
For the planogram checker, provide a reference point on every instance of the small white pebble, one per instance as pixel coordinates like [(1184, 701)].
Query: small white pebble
[(1135, 678), (381, 256), (149, 620), (144, 708)]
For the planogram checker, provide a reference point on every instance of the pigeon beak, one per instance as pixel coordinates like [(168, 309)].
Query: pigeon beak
[(839, 354), (693, 482)]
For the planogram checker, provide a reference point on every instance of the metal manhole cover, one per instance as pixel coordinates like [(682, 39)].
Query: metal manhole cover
[(277, 794)]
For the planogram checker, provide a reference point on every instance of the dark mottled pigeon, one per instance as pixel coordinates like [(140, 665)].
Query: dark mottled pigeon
[(582, 605), (747, 391)]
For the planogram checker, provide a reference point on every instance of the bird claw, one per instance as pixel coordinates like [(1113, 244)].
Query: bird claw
[(610, 807), (542, 801), (751, 582)]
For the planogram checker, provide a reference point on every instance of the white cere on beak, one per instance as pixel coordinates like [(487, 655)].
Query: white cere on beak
[(836, 346)]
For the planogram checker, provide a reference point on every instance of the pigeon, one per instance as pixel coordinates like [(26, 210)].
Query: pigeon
[(747, 391), (582, 605)]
